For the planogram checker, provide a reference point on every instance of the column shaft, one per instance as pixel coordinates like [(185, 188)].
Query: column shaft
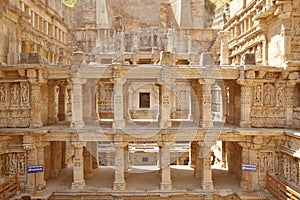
[(119, 183), (119, 121), (77, 107), (205, 155), (206, 102), (166, 183), (36, 111), (165, 107), (78, 174), (246, 96)]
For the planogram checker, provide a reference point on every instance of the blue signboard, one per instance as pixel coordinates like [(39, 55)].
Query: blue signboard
[(249, 168), (35, 169)]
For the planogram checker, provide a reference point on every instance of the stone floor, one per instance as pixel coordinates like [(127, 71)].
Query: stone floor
[(141, 178), (146, 179)]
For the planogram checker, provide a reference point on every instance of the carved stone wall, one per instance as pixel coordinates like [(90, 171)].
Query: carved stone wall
[(268, 108), (14, 104), (104, 99)]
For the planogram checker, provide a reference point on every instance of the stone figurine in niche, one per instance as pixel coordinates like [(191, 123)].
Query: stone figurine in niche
[(2, 94), (258, 95), (268, 95), (14, 94), (280, 95), (24, 93)]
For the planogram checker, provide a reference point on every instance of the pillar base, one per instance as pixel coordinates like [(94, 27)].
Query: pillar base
[(119, 186), (166, 186), (35, 124), (207, 185), (78, 185), (244, 185), (244, 124), (207, 124), (79, 124), (119, 124)]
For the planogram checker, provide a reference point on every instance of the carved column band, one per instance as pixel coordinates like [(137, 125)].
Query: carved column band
[(77, 107), (206, 102), (205, 157), (246, 100), (119, 183), (78, 174), (36, 112), (166, 183)]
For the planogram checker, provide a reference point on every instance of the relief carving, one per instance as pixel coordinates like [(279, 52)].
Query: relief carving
[(280, 96), (268, 95), (14, 95), (15, 162), (258, 95), (2, 94)]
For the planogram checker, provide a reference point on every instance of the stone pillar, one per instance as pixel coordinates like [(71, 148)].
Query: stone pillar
[(31, 160), (87, 102), (41, 183), (198, 160), (51, 102), (164, 105), (94, 152), (77, 107), (193, 154), (206, 102), (78, 175), (62, 102), (246, 100), (88, 163), (119, 183), (224, 155), (250, 155), (36, 111), (126, 159), (56, 156), (224, 57), (206, 177), (64, 163), (118, 103), (230, 118), (166, 183)]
